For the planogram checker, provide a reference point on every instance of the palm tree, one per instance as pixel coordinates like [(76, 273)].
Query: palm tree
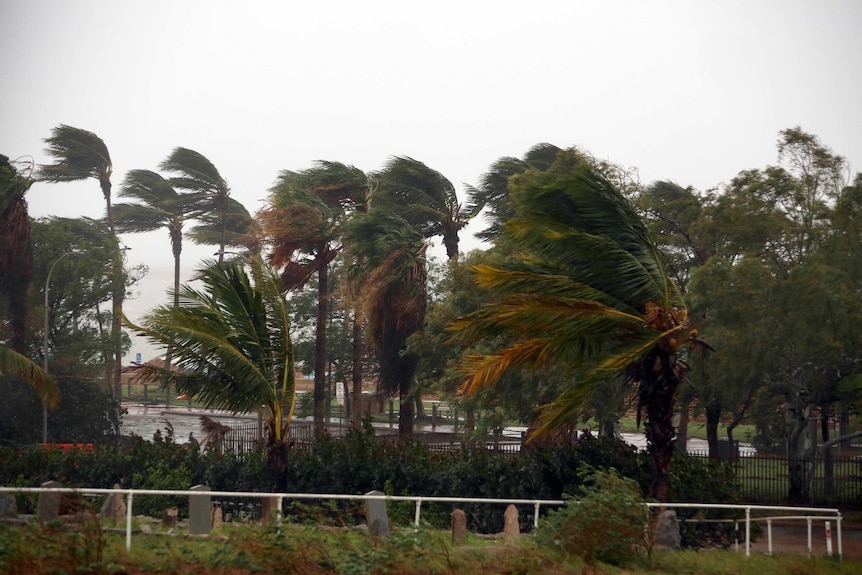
[(16, 247), (240, 231), (389, 284), (232, 347), (493, 190), (158, 206), (423, 197), (197, 174), (590, 293), (81, 155), (302, 224)]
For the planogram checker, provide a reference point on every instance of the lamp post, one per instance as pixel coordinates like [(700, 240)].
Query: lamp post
[(45, 342)]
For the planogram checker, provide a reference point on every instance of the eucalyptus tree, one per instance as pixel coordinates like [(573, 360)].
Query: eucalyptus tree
[(590, 295), (16, 246), (157, 205), (303, 225), (388, 280), (81, 155), (232, 345)]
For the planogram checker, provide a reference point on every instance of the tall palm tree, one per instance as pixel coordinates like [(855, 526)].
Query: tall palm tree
[(303, 226), (158, 206), (423, 197), (80, 155), (196, 173), (389, 283), (590, 293), (232, 347), (16, 247), (493, 189)]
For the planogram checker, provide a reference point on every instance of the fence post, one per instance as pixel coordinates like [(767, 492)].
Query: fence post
[(809, 536), (748, 531), (418, 506), (536, 516), (840, 545), (769, 535), (129, 521)]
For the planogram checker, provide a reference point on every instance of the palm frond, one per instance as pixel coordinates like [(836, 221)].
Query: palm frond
[(17, 365)]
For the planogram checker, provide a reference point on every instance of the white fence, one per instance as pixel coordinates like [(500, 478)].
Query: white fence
[(799, 513)]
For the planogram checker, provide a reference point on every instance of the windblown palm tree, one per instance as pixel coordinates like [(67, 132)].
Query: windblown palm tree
[(423, 197), (302, 224), (158, 206), (493, 190), (232, 347), (81, 155), (16, 247), (197, 174), (588, 293), (389, 283)]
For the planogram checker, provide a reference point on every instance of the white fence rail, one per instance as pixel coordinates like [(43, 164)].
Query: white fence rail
[(800, 513)]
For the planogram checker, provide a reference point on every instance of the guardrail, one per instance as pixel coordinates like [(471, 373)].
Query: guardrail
[(809, 513)]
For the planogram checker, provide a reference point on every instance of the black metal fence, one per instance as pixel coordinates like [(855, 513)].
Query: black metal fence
[(766, 479)]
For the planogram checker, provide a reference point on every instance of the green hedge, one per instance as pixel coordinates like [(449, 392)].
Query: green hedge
[(357, 464)]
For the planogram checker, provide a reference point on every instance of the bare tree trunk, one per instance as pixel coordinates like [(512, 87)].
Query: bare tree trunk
[(713, 417), (828, 469)]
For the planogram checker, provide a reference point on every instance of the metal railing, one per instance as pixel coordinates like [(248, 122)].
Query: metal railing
[(808, 513)]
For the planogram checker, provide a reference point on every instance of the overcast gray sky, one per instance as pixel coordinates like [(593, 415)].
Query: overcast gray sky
[(688, 91)]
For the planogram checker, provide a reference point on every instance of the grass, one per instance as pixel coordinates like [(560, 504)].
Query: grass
[(244, 549)]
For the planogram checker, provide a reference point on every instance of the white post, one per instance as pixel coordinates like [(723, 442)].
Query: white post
[(747, 531), (769, 535), (418, 506), (840, 545), (278, 511), (828, 539), (128, 521), (536, 516), (809, 535)]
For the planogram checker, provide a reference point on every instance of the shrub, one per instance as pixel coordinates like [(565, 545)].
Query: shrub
[(608, 523)]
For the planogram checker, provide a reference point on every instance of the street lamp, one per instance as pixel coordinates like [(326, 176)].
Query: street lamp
[(45, 342)]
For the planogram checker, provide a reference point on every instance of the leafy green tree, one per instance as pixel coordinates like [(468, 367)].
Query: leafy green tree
[(777, 239), (158, 205), (16, 248), (388, 281), (590, 294), (81, 155), (232, 346)]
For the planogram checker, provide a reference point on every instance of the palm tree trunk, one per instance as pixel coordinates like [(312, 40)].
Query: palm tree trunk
[(117, 293), (356, 369), (658, 396), (320, 349), (169, 351)]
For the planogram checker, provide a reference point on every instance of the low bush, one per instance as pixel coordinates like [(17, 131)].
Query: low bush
[(608, 522)]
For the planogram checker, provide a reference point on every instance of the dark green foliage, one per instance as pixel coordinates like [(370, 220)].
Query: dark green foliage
[(699, 480), (21, 413), (607, 523), (360, 463)]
